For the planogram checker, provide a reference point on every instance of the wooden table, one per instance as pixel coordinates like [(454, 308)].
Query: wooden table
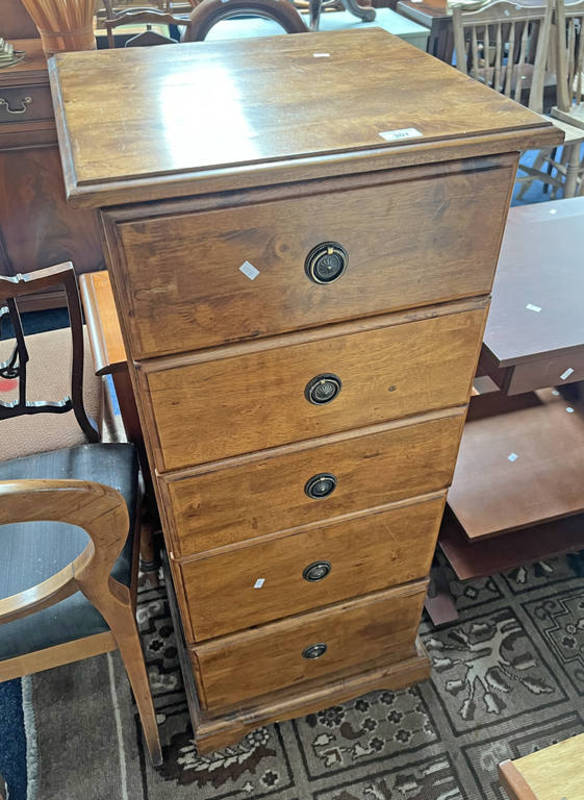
[(516, 495), (554, 773), (441, 39), (535, 330)]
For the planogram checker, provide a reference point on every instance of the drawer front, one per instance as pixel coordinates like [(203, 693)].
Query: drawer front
[(408, 243), (25, 104), (370, 470), (212, 409), (270, 580), (233, 670)]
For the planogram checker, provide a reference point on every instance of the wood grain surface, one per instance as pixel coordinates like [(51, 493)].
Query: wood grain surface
[(381, 625), (555, 772), (479, 559), (39, 228), (491, 494), (372, 467), (365, 554), (258, 396), (130, 123), (107, 345), (408, 244)]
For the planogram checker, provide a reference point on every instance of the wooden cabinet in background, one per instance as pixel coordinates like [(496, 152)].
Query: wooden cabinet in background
[(37, 226)]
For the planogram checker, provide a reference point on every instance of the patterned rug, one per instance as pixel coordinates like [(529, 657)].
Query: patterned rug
[(508, 678)]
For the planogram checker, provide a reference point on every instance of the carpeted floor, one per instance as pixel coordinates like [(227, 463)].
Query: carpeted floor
[(508, 678)]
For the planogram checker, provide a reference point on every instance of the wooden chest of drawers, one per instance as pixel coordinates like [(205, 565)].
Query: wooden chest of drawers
[(302, 253)]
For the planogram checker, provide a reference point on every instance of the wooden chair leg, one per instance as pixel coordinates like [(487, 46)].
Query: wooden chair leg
[(149, 562), (538, 164), (128, 641), (572, 169)]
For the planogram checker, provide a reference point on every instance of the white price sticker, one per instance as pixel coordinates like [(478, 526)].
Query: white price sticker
[(531, 307), (249, 270), (259, 583), (565, 375), (400, 133), (512, 457)]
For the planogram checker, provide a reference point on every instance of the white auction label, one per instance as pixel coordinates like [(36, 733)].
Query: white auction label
[(259, 583), (400, 133), (512, 457), (566, 374), (531, 307), (249, 270)]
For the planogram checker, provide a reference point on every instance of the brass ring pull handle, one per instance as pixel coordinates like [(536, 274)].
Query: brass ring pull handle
[(321, 485), (326, 262), (26, 101), (317, 571), (314, 651), (322, 389)]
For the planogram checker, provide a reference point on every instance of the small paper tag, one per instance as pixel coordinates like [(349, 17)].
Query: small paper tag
[(249, 270), (321, 55), (512, 457), (400, 133), (259, 583), (569, 409), (566, 374), (531, 307)]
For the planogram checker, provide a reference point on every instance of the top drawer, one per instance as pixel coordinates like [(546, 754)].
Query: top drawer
[(412, 237)]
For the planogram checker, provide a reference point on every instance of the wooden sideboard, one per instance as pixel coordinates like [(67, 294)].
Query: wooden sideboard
[(37, 227), (302, 279)]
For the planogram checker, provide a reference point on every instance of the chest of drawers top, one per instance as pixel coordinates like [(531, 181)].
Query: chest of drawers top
[(165, 122)]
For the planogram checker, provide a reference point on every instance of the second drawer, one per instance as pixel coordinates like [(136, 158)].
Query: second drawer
[(248, 398), (249, 586)]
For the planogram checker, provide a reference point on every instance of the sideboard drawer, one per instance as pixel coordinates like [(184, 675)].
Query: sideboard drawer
[(339, 639), (25, 104), (391, 463), (214, 406), (424, 236), (249, 586)]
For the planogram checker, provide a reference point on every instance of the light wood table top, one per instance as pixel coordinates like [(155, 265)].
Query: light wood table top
[(105, 335), (555, 773)]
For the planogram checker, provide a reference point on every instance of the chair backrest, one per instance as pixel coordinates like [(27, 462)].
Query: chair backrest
[(15, 367), (569, 30), (133, 15), (505, 45)]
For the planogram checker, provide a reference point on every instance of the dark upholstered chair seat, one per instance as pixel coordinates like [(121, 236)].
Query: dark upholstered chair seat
[(32, 552)]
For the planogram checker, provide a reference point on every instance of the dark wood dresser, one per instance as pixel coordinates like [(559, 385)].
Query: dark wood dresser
[(38, 228), (301, 251)]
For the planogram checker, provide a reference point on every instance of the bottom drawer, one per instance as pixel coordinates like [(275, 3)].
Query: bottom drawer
[(343, 638)]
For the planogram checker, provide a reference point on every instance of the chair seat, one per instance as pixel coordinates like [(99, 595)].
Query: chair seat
[(48, 379), (32, 552)]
